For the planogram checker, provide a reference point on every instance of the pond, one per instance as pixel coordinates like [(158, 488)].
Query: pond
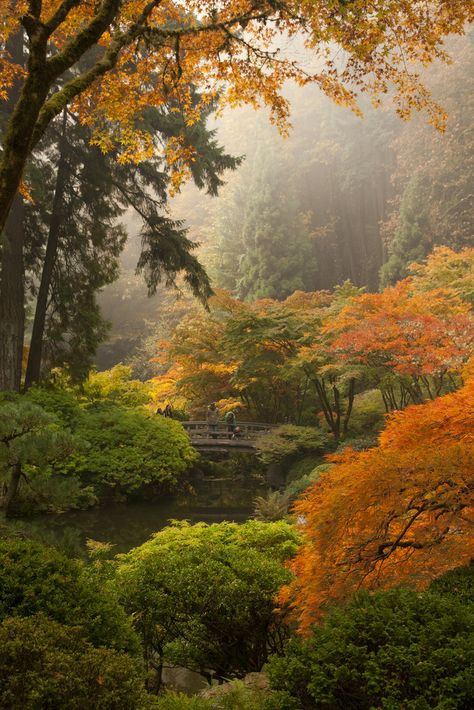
[(127, 525)]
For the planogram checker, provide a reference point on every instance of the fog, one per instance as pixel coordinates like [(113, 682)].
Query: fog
[(342, 197)]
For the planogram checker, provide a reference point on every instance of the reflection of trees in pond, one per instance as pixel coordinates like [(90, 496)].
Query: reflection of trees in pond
[(129, 525)]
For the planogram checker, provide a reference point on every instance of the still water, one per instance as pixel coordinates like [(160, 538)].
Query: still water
[(129, 524)]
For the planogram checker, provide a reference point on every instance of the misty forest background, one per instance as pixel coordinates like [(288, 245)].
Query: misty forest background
[(340, 198)]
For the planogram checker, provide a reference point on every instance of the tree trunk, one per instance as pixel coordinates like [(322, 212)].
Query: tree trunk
[(11, 489), (12, 297), (350, 403), (33, 370), (334, 424), (12, 300), (25, 104)]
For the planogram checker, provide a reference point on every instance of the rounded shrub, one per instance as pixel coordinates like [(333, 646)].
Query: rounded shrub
[(39, 579), (44, 664), (202, 596), (125, 449), (392, 650)]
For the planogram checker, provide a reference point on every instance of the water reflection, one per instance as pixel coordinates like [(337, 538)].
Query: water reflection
[(130, 524)]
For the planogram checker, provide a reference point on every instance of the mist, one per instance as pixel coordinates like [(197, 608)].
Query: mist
[(341, 198)]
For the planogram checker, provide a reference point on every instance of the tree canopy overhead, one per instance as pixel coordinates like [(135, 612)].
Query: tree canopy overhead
[(141, 53), (109, 62)]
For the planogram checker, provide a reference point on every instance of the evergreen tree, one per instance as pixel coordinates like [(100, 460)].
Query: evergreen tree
[(410, 241), (433, 177), (277, 257), (263, 244), (72, 225)]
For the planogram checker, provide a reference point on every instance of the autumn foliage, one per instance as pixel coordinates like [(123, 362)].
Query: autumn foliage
[(397, 514), (126, 55), (422, 338), (306, 358)]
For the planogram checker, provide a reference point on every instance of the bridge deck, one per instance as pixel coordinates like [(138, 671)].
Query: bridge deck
[(205, 437)]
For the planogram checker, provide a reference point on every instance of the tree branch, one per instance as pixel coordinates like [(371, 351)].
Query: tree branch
[(65, 60), (35, 8), (84, 40), (60, 15)]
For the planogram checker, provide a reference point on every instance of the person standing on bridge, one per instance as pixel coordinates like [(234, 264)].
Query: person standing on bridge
[(212, 419), (231, 421)]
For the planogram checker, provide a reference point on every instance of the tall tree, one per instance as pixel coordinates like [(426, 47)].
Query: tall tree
[(433, 175), (147, 52), (276, 258), (309, 206), (72, 225), (12, 287)]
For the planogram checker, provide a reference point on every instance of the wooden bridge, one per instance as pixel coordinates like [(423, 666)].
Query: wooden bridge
[(217, 438)]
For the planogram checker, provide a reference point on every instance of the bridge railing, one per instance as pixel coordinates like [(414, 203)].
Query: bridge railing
[(247, 430)]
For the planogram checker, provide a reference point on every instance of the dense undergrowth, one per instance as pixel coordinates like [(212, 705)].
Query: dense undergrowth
[(98, 634), (352, 586)]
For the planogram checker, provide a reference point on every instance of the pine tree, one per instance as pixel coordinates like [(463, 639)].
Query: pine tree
[(72, 225), (264, 247)]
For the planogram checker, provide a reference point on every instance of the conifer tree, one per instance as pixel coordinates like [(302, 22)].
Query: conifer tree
[(72, 225)]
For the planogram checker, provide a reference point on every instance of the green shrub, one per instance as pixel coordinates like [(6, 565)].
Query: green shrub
[(360, 443), (368, 414), (202, 596), (53, 494), (179, 701), (31, 440), (289, 441), (35, 578), (304, 467), (46, 665), (397, 649), (235, 695), (75, 449), (116, 385), (30, 436), (248, 695), (63, 403), (272, 506), (295, 488), (459, 583), (126, 448)]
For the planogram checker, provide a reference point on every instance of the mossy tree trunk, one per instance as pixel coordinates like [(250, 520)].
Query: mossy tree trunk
[(33, 370), (31, 109)]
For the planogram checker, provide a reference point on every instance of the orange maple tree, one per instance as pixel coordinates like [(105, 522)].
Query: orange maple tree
[(109, 60), (398, 514), (267, 357), (422, 337)]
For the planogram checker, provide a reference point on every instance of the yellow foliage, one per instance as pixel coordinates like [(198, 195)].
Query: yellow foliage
[(155, 52)]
